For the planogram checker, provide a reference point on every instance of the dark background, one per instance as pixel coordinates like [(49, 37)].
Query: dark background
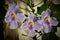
[(2, 14)]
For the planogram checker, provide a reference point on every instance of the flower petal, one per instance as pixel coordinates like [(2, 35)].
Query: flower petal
[(46, 13), (13, 24), (13, 8), (8, 13), (40, 21), (46, 27), (31, 17), (31, 33), (20, 17), (7, 19), (38, 26), (24, 26), (10, 4), (53, 21)]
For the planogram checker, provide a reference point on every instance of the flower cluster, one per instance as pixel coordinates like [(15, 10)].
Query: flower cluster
[(32, 22)]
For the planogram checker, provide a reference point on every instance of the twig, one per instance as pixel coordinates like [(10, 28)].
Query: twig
[(25, 9)]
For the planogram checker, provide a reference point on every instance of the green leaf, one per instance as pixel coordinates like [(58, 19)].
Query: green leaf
[(41, 9), (54, 29), (50, 36)]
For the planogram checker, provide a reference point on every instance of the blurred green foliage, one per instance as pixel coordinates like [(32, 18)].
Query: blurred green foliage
[(50, 36)]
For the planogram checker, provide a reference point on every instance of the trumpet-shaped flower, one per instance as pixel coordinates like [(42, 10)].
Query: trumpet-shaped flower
[(47, 21), (30, 25), (13, 17)]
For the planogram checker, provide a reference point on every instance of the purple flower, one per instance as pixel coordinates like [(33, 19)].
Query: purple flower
[(13, 17), (30, 25), (47, 21)]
